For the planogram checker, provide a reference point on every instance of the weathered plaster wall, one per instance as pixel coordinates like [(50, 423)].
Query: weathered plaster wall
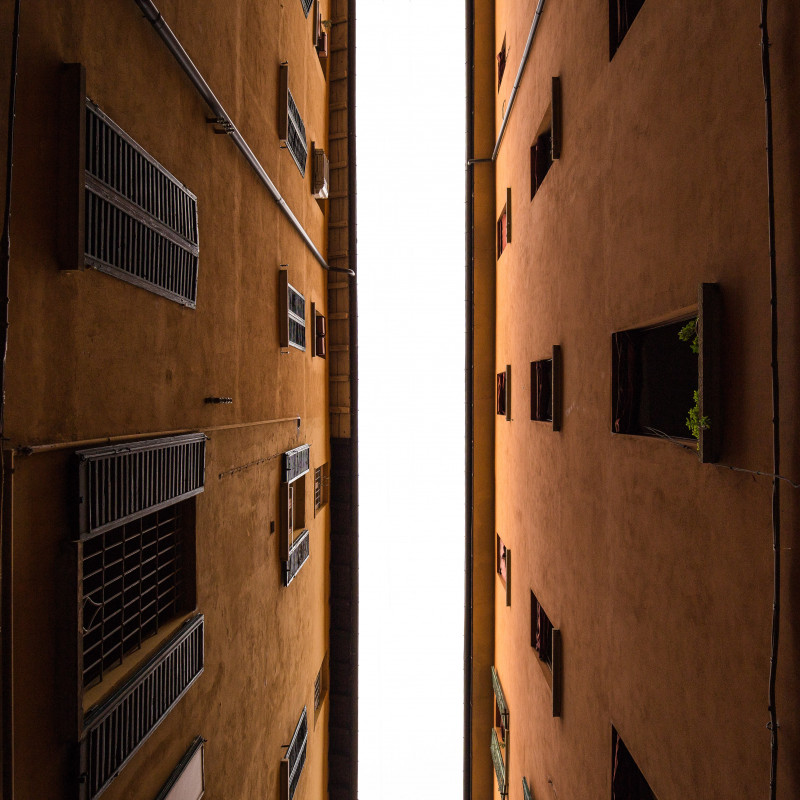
[(657, 569), (92, 356)]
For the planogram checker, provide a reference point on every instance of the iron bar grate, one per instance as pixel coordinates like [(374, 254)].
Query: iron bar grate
[(141, 223), (133, 582), (306, 6), (296, 136), (295, 463), (298, 555), (120, 483), (296, 752), (116, 729)]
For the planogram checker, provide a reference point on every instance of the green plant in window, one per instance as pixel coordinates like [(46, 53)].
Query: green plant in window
[(688, 333), (694, 422)]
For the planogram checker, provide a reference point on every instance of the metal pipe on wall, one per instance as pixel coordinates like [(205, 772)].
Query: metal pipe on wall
[(153, 16), (518, 79)]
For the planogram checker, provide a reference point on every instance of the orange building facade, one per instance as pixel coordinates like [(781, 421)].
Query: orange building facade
[(178, 521), (621, 570)]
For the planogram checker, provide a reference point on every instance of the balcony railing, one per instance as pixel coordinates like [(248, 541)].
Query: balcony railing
[(117, 728), (298, 555)]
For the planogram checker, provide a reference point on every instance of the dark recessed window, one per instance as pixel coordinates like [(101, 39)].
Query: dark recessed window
[(627, 781), (501, 63), (541, 159), (322, 483), (542, 390), (621, 14), (318, 334), (541, 632), (503, 567), (501, 393), (654, 378)]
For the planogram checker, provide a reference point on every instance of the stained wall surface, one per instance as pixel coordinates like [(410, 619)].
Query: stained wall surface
[(657, 569), (91, 356)]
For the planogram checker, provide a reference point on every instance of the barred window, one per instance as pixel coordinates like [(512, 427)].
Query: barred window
[(292, 314), (291, 128), (321, 487)]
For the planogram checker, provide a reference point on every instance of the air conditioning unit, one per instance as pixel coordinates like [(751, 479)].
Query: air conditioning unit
[(321, 173)]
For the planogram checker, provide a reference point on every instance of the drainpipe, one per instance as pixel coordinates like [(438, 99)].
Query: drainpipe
[(6, 459), (181, 56), (518, 79), (468, 396)]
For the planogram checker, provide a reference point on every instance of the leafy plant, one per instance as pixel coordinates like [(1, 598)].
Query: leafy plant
[(694, 422), (688, 333)]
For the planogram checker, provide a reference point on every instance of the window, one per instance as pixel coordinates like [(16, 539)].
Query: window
[(321, 684), (501, 63), (292, 312), (295, 758), (503, 567), (320, 173), (655, 376), (660, 381), (504, 393), (120, 211), (187, 781), (291, 128), (546, 381), (318, 333), (526, 790), (621, 14), (504, 226), (500, 735), (547, 146), (295, 539), (114, 730), (136, 544), (306, 6), (627, 781), (546, 641), (321, 487), (319, 34)]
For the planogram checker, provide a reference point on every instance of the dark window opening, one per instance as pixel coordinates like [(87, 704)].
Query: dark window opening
[(541, 159), (502, 232), (541, 632), (499, 722), (542, 390), (627, 781), (654, 377), (321, 487), (501, 393), (621, 14), (136, 577), (501, 560), (501, 63)]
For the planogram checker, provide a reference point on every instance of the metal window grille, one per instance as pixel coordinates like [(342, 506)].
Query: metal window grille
[(114, 730), (499, 764), (296, 463), (120, 483), (299, 553), (500, 698), (321, 487), (318, 690), (133, 582), (306, 6), (292, 764), (297, 318), (526, 790), (141, 223)]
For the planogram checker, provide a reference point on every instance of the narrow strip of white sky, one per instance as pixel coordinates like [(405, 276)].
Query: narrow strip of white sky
[(410, 126)]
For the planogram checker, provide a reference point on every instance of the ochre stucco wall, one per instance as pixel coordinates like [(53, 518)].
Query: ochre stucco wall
[(656, 568), (91, 356)]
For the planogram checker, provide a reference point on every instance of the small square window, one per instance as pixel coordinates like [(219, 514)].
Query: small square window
[(503, 393), (541, 632), (547, 146), (318, 334), (503, 567), (621, 14), (504, 225), (546, 381), (627, 781)]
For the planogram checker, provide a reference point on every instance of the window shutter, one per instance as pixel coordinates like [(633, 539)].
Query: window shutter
[(296, 463), (140, 222), (291, 128), (187, 781), (555, 119), (508, 215), (121, 483), (117, 728), (295, 759), (709, 327)]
